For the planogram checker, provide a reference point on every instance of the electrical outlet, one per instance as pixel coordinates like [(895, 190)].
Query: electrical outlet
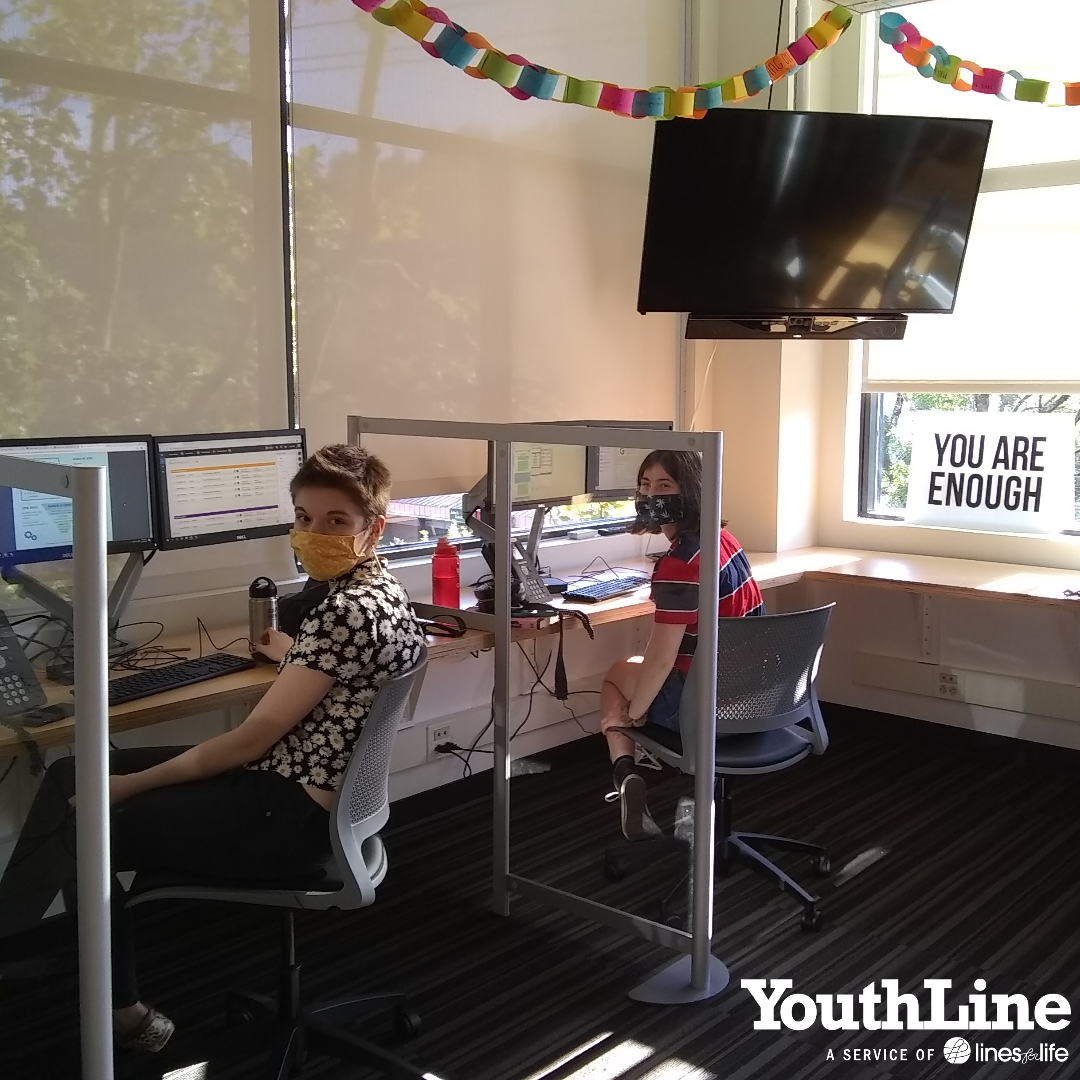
[(948, 684), (436, 734)]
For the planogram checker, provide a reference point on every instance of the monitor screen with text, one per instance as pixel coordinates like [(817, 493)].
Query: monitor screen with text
[(37, 527), (214, 489)]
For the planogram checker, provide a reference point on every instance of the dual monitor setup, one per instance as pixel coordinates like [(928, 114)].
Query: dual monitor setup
[(544, 475), (181, 491), (162, 493)]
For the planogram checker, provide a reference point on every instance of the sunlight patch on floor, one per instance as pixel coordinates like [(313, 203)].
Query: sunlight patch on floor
[(677, 1069), (614, 1062), (558, 1063), (189, 1072)]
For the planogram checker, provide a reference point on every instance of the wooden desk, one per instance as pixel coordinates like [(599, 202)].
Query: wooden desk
[(924, 574), (244, 688), (964, 579)]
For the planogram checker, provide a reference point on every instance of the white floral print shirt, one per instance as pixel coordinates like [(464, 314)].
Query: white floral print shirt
[(363, 633)]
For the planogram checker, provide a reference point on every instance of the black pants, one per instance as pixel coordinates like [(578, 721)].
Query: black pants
[(241, 825)]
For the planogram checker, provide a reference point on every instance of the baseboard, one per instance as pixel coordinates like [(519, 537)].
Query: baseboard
[(476, 788)]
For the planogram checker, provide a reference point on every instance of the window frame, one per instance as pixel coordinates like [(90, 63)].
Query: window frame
[(871, 427), (1036, 176)]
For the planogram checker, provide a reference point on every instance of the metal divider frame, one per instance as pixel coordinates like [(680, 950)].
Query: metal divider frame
[(697, 974), (85, 486)]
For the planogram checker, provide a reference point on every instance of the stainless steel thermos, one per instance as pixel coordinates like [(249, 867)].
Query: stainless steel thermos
[(262, 608)]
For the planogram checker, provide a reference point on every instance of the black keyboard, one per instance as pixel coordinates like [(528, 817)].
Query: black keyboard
[(173, 676), (613, 583)]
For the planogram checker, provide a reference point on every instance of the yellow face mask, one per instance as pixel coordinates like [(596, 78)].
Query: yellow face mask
[(323, 556)]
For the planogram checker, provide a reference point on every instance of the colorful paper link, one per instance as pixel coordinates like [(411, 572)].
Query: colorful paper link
[(444, 39), (937, 63)]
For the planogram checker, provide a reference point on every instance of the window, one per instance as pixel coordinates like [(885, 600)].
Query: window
[(887, 424), (142, 287), (412, 525), (1010, 346)]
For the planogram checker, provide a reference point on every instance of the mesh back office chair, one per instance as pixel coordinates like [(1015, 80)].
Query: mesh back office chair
[(358, 863), (767, 719)]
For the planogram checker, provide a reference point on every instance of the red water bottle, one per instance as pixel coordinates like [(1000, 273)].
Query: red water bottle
[(445, 575)]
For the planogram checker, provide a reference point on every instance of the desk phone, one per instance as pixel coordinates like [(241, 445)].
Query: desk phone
[(19, 686)]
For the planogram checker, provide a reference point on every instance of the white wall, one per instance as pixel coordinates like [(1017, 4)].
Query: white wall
[(790, 416)]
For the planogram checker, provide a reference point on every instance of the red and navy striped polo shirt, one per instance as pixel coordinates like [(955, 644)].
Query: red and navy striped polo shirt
[(675, 588)]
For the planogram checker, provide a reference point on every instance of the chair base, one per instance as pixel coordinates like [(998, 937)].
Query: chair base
[(293, 1031), (731, 846), (318, 1030)]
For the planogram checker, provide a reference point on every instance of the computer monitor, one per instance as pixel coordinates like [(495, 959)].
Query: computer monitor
[(36, 528), (547, 474), (611, 471), (213, 489)]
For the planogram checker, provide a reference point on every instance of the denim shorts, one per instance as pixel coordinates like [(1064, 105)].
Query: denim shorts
[(664, 709)]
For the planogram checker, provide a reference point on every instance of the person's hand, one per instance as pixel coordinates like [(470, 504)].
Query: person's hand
[(273, 644)]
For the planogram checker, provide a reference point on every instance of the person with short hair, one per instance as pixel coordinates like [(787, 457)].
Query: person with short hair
[(649, 688), (253, 803)]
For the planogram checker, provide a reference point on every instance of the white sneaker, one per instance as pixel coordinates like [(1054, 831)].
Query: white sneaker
[(151, 1035), (637, 823)]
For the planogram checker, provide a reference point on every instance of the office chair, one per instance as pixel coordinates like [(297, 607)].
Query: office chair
[(767, 719), (348, 881)]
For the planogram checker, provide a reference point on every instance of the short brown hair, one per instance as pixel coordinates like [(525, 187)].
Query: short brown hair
[(352, 470)]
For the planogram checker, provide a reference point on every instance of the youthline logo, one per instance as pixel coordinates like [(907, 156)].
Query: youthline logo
[(838, 1012)]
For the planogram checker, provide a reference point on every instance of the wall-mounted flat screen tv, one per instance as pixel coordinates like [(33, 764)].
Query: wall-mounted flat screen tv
[(755, 214)]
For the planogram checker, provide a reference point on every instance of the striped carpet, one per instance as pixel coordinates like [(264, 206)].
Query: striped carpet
[(981, 880)]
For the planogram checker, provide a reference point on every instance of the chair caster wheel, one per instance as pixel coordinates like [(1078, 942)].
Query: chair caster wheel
[(811, 920), (672, 919), (242, 1009), (236, 1016), (822, 866), (406, 1024), (613, 871)]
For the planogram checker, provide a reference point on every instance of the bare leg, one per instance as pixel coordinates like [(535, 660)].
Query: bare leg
[(615, 697)]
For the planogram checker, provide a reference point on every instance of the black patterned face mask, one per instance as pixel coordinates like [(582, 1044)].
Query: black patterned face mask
[(656, 510)]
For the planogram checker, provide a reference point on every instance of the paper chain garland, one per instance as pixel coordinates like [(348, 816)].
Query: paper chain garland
[(444, 39), (934, 62)]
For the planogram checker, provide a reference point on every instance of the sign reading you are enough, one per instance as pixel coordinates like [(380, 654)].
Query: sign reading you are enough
[(1011, 472)]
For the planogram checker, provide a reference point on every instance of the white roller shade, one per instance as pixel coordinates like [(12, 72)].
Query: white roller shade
[(465, 256), (1016, 311), (142, 273)]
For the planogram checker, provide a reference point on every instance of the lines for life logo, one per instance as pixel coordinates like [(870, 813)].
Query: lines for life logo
[(957, 1050)]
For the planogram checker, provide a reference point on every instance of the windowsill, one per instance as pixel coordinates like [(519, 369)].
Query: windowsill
[(849, 532), (1068, 535)]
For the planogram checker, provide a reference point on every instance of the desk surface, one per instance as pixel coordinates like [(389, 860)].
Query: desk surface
[(960, 578)]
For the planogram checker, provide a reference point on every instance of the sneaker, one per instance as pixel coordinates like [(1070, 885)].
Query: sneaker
[(151, 1035), (637, 822)]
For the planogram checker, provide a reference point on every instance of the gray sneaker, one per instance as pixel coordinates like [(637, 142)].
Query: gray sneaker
[(637, 823)]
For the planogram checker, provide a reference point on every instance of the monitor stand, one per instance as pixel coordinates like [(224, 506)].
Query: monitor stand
[(532, 551), (61, 609)]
